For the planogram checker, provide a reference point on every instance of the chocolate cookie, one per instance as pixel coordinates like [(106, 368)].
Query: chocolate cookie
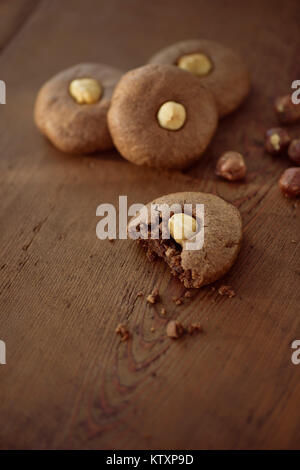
[(71, 108), (217, 67), (161, 116), (221, 227)]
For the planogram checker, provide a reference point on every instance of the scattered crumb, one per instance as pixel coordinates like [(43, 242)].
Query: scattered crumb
[(163, 311), (194, 328), (169, 252), (123, 332), (188, 294), (177, 300), (294, 241), (111, 240), (174, 329), (153, 297), (227, 290), (152, 329), (140, 294), (151, 256)]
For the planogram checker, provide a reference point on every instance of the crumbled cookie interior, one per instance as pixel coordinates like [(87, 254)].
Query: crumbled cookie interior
[(169, 251)]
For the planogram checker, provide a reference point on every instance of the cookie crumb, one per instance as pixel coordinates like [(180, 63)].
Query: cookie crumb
[(169, 252), (188, 294), (177, 300), (227, 290), (151, 256), (123, 332), (152, 329), (163, 311), (194, 328), (153, 297), (111, 240), (140, 294), (174, 329)]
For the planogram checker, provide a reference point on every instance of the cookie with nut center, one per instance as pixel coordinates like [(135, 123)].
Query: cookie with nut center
[(222, 229), (217, 67), (71, 108), (161, 116)]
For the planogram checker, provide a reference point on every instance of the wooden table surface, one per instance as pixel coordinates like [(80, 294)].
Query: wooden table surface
[(68, 381)]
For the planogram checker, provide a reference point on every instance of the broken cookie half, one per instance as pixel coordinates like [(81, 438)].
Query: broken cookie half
[(198, 235)]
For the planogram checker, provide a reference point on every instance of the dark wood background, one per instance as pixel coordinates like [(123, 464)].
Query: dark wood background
[(68, 382)]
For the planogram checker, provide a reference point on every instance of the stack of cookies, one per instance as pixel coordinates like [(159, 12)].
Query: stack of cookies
[(162, 115)]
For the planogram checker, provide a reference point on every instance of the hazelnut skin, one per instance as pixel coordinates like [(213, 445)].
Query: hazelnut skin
[(287, 112), (231, 166), (276, 141), (289, 182), (294, 151)]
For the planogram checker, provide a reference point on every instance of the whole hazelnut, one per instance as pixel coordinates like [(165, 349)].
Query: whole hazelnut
[(294, 151), (182, 227), (198, 64), (289, 182), (85, 90), (276, 140), (171, 115), (231, 166), (287, 112)]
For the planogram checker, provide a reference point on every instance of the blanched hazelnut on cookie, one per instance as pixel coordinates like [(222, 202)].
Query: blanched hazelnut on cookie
[(171, 115), (182, 227), (71, 108), (161, 116), (85, 90), (217, 68), (198, 64), (221, 227)]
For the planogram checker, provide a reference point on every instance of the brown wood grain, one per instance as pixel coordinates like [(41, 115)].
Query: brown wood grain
[(68, 382), (13, 15)]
